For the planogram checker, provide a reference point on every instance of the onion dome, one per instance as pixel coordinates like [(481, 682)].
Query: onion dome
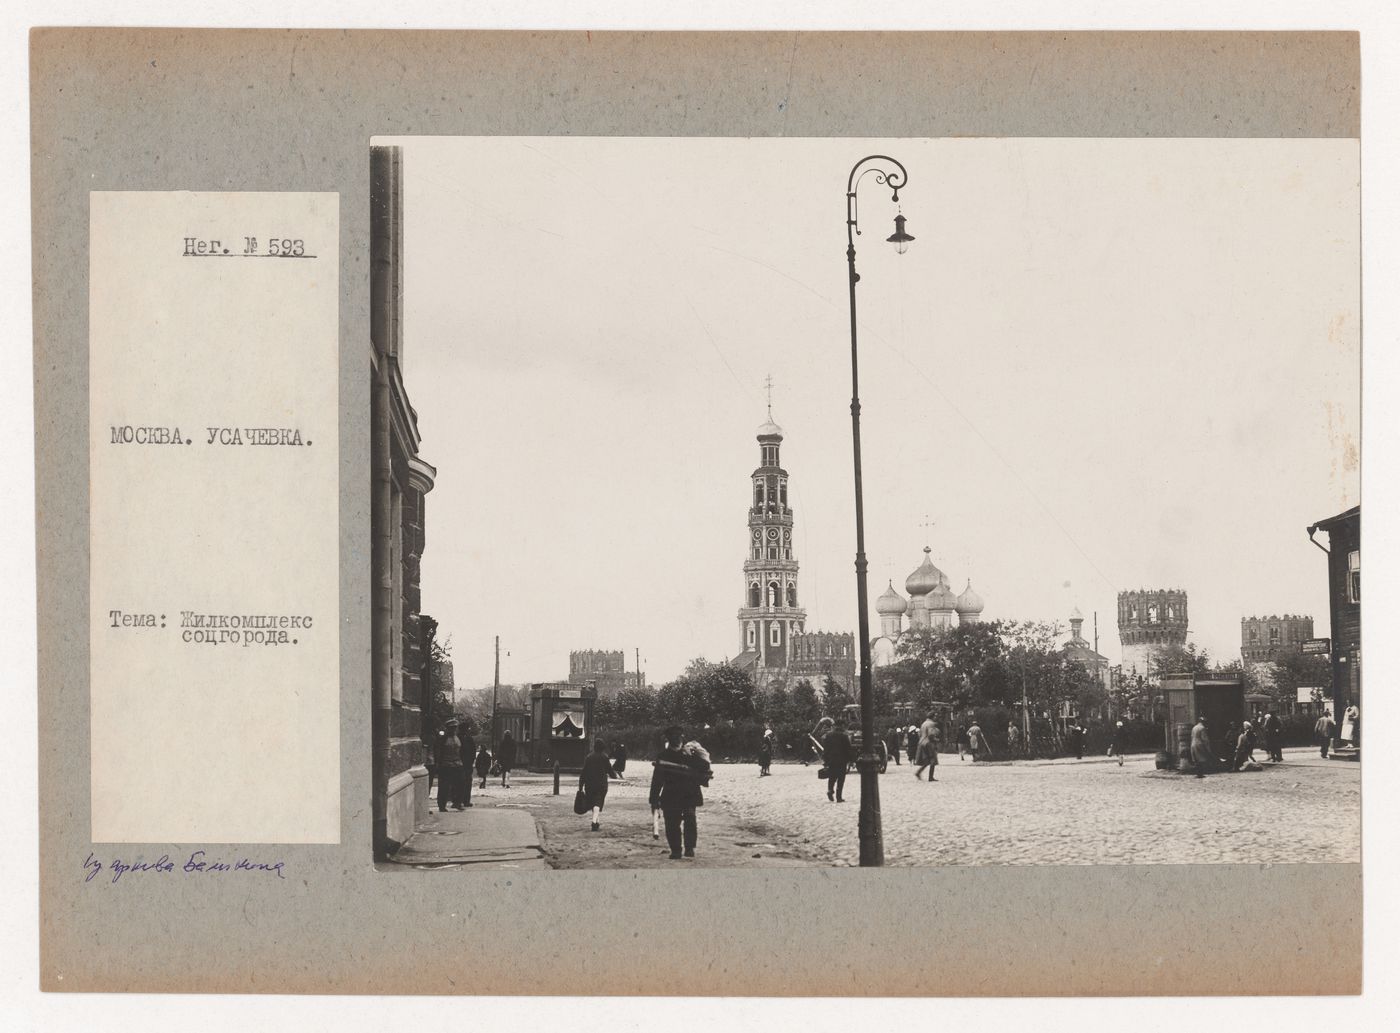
[(770, 431), (969, 602), (942, 597), (890, 603), (926, 578), (1075, 615)]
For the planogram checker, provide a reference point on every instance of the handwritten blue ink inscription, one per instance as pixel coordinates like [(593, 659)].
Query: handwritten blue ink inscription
[(198, 863)]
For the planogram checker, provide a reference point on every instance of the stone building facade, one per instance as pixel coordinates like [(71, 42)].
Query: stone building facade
[(1149, 621), (1264, 639), (401, 480), (605, 669)]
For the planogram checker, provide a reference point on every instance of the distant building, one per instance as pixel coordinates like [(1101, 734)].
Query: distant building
[(1344, 592), (773, 645), (1265, 639), (1150, 621), (932, 605), (1082, 651), (817, 655), (606, 669)]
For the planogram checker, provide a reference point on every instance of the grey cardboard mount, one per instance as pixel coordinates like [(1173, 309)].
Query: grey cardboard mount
[(233, 110)]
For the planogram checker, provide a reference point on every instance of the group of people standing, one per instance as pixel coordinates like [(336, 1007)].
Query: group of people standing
[(456, 754)]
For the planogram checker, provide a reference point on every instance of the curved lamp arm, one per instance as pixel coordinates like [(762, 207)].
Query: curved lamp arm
[(894, 178)]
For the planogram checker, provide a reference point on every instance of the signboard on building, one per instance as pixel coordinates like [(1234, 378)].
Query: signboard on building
[(1316, 646)]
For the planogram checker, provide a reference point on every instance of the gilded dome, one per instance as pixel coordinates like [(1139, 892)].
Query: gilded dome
[(926, 578), (969, 601), (890, 603), (770, 430)]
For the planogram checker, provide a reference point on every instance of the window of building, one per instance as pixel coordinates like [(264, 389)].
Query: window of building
[(770, 455), (758, 496), (753, 593), (758, 553), (782, 493), (1354, 576), (1152, 612), (787, 554), (775, 595), (772, 552), (792, 594), (1253, 635), (751, 636), (1273, 636), (775, 635)]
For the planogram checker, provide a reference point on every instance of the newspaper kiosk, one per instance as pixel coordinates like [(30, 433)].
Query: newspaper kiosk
[(561, 725)]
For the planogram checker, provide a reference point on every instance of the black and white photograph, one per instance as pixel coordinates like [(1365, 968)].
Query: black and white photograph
[(751, 503)]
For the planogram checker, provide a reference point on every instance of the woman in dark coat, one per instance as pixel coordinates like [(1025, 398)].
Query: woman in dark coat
[(593, 780), (505, 756), (619, 760), (483, 763), (765, 756)]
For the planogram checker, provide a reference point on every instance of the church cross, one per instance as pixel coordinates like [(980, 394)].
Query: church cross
[(768, 384)]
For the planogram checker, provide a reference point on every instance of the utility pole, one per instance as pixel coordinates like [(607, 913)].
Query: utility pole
[(495, 693), (639, 667)]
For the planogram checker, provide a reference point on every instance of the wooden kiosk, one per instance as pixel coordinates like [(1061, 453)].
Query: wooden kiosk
[(561, 725), (1218, 697)]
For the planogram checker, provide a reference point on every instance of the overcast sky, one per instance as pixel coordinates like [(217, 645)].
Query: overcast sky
[(1102, 365)]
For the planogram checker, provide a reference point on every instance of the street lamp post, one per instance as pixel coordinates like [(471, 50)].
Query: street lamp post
[(872, 847)]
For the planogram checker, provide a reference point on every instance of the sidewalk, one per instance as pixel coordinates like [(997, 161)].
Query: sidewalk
[(479, 837)]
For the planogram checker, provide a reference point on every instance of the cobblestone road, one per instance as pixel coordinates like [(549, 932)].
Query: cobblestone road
[(1064, 812)]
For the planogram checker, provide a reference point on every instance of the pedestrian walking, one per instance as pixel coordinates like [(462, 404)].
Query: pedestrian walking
[(765, 756), (1324, 730), (1202, 758), (619, 761), (976, 742), (1273, 736), (927, 754), (892, 744), (1076, 740), (836, 751), (468, 754), (593, 780), (964, 743), (505, 756), (483, 764), (449, 768), (1118, 746), (911, 742), (1013, 737), (676, 780)]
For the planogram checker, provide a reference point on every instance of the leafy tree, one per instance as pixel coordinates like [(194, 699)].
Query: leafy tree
[(806, 708), (707, 693), (1293, 671), (834, 696), (1186, 659), (777, 705), (635, 706)]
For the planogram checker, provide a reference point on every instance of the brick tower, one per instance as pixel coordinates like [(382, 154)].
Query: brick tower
[(1149, 621)]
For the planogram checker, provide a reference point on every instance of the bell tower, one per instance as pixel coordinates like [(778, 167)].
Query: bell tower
[(771, 614)]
